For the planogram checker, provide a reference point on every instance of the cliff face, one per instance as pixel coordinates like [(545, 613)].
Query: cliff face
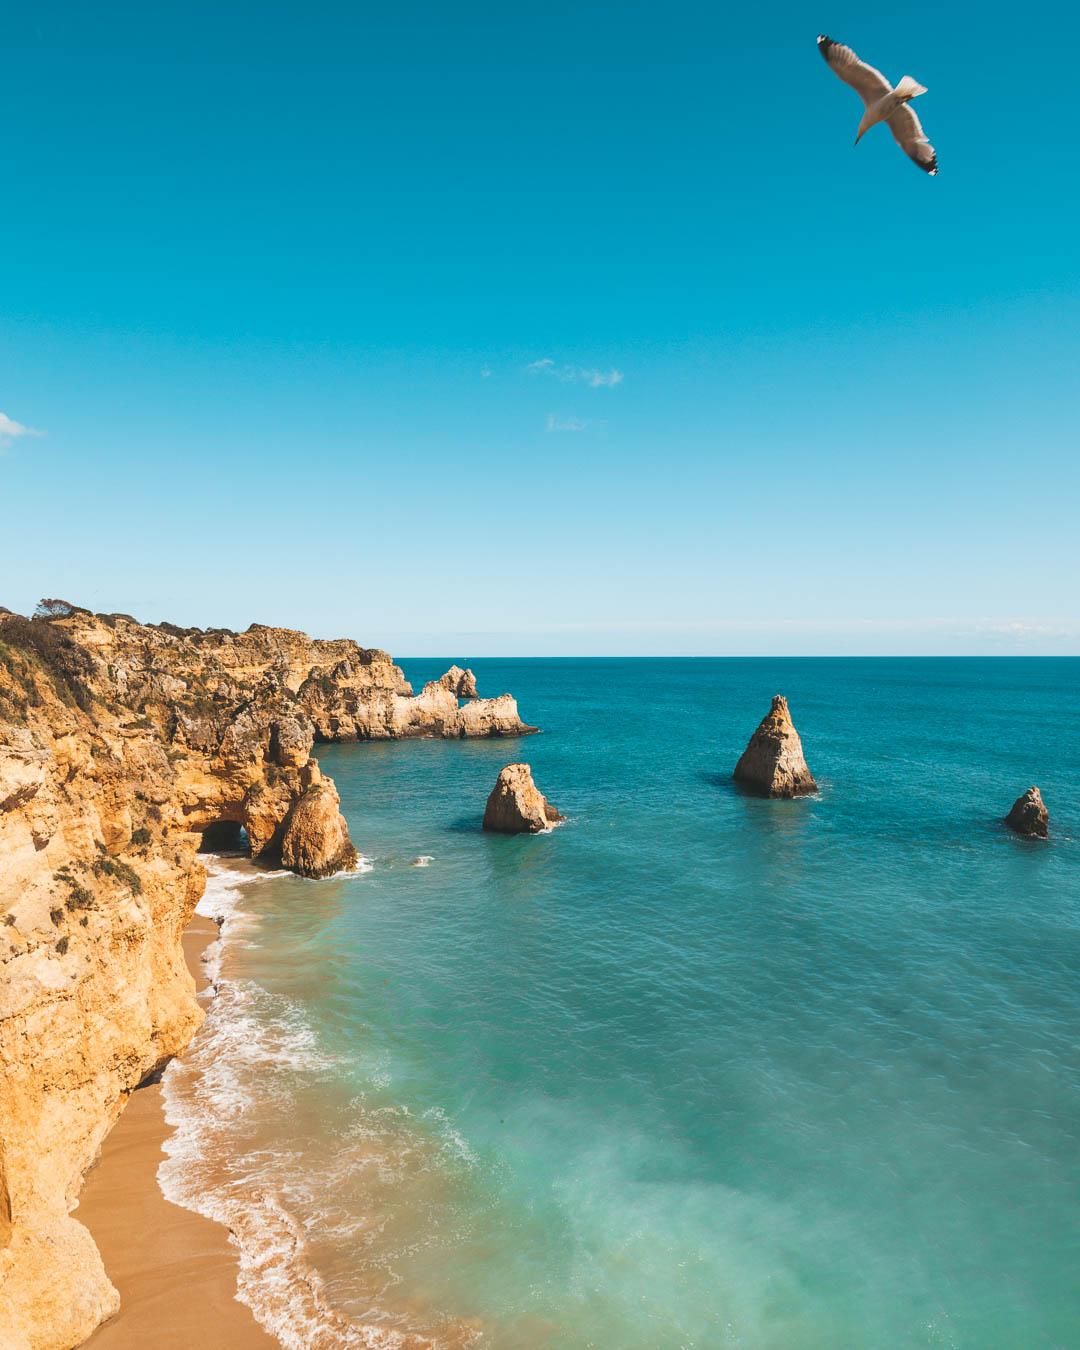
[(120, 745)]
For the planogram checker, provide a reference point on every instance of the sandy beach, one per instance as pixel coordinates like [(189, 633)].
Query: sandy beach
[(175, 1270)]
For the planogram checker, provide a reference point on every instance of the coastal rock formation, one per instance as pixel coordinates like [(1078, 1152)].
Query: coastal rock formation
[(1029, 815), (461, 683), (772, 765), (316, 843), (516, 804), (366, 697), (121, 746)]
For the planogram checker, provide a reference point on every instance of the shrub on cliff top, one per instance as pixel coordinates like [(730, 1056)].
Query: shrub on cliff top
[(67, 665), (57, 609)]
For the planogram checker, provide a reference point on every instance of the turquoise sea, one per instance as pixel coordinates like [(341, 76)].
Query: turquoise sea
[(692, 1070)]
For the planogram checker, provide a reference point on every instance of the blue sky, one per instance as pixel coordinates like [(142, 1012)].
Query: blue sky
[(275, 282)]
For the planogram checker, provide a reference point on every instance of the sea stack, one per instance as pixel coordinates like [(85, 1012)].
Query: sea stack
[(772, 765), (1029, 815), (516, 804), (316, 842)]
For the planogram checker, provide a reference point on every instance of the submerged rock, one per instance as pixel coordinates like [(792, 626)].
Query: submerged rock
[(516, 804), (772, 765), (316, 842), (1029, 815)]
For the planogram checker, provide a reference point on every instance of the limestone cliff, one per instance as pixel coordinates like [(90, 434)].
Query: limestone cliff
[(364, 697), (121, 746)]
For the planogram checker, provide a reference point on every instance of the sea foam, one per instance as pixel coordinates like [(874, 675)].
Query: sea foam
[(242, 1068)]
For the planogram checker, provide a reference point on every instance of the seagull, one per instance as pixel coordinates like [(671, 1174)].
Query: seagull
[(883, 102)]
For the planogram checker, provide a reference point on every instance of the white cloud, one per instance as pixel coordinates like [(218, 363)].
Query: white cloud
[(10, 430), (565, 423), (601, 379), (590, 375)]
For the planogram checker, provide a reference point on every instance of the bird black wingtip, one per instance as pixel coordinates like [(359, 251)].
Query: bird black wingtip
[(824, 44)]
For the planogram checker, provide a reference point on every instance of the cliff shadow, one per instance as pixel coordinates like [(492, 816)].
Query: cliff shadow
[(225, 836)]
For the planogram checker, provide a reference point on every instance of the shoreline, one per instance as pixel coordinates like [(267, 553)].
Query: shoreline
[(176, 1270)]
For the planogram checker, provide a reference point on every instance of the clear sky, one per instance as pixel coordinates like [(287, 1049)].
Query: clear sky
[(573, 328)]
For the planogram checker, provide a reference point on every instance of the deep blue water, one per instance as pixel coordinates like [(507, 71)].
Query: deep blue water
[(696, 1069)]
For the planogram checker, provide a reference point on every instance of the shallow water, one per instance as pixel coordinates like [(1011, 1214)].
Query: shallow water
[(692, 1070)]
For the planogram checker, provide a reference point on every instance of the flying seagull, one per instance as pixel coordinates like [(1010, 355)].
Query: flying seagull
[(883, 102)]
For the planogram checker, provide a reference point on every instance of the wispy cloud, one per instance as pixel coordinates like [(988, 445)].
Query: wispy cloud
[(10, 430), (601, 379), (567, 374), (485, 374), (566, 423)]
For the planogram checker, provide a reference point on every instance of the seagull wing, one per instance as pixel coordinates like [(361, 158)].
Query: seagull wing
[(910, 137), (867, 82)]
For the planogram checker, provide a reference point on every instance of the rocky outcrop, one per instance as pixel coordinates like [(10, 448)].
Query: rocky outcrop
[(461, 683), (315, 842), (516, 804), (772, 765), (1029, 815), (366, 697), (121, 745)]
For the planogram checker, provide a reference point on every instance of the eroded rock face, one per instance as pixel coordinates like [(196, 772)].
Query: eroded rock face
[(516, 804), (316, 843), (120, 744), (772, 765), (367, 698), (461, 683), (1029, 815)]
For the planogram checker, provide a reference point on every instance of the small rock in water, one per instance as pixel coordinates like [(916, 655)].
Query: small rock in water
[(772, 765), (516, 804), (1029, 815)]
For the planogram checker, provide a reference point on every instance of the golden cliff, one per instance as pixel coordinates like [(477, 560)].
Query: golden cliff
[(123, 745)]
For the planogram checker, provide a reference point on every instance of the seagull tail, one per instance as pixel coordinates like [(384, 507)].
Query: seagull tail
[(909, 88)]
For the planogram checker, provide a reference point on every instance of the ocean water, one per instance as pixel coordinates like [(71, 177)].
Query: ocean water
[(692, 1070)]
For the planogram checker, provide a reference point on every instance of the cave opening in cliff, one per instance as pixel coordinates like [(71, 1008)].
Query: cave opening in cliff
[(224, 836)]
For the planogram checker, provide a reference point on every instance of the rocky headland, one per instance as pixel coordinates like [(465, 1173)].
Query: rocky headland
[(123, 747), (772, 765), (517, 806)]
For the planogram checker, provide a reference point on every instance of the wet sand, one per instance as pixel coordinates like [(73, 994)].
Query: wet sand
[(175, 1270)]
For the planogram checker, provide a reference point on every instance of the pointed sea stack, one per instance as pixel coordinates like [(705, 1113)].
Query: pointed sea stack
[(1029, 815), (516, 804), (461, 683), (772, 765), (316, 842)]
